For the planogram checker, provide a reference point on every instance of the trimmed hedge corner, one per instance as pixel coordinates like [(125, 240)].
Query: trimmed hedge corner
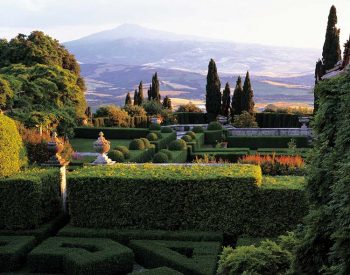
[(177, 145), (29, 199), (81, 256)]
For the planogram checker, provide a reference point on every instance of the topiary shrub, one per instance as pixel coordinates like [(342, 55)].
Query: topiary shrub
[(198, 129), (167, 152), (11, 147), (116, 155), (146, 143), (160, 158), (214, 125), (137, 144), (155, 127), (152, 136), (191, 134), (166, 130), (124, 150), (159, 135), (177, 145), (187, 138)]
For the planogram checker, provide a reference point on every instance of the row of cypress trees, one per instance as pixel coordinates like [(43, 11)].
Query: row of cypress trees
[(217, 103)]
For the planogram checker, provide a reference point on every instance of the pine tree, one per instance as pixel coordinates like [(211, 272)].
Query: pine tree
[(140, 94), (155, 88), (128, 99), (167, 103), (213, 93), (237, 98), (226, 100), (247, 101), (136, 98), (331, 49)]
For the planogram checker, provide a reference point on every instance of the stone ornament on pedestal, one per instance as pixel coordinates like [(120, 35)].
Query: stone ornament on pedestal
[(102, 147), (56, 146), (304, 120)]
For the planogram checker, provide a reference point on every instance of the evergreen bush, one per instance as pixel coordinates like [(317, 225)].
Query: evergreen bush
[(146, 143), (214, 125), (116, 156), (187, 138), (166, 130), (152, 136), (177, 145), (160, 158), (137, 144), (124, 150), (191, 134), (155, 127), (167, 152), (198, 129)]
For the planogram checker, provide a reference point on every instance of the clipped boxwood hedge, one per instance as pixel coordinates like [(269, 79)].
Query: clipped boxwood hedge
[(143, 156), (81, 256), (137, 144), (164, 140), (177, 145), (13, 250), (266, 142), (110, 133), (187, 138), (11, 147), (198, 258), (29, 198), (158, 271), (160, 158), (152, 136), (212, 136)]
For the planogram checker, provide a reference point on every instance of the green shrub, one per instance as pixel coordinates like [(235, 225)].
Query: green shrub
[(159, 135), (143, 156), (177, 145), (198, 129), (214, 125), (125, 235), (155, 127), (186, 257), (124, 150), (179, 156), (167, 152), (186, 138), (80, 256), (110, 133), (11, 147), (152, 136), (116, 156), (191, 134), (146, 143), (29, 198), (277, 120), (212, 136), (160, 158), (158, 271), (191, 118), (137, 144), (268, 258), (166, 130), (164, 140)]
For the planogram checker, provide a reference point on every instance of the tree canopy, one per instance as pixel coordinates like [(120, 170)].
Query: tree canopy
[(213, 93)]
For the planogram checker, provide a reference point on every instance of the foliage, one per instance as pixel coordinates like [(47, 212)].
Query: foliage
[(300, 110), (13, 251), (152, 137), (277, 120), (214, 125), (186, 257), (213, 93), (247, 102), (110, 133), (186, 138), (276, 165), (164, 140), (166, 130), (198, 129), (116, 156), (124, 150), (135, 110), (76, 255), (11, 147), (137, 144), (128, 101), (6, 94), (167, 103), (213, 136), (167, 152), (226, 100), (160, 158), (117, 116), (177, 145), (138, 95), (152, 107), (146, 142), (158, 271), (245, 120), (153, 93), (189, 108), (29, 198), (191, 134), (155, 127), (237, 98)]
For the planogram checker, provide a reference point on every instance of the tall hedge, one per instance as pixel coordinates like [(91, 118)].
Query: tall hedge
[(11, 147), (211, 198), (29, 198), (110, 133), (277, 120)]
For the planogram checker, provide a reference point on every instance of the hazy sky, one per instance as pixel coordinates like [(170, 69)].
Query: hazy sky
[(296, 23)]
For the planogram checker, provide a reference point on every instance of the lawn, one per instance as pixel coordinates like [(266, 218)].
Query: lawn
[(86, 145)]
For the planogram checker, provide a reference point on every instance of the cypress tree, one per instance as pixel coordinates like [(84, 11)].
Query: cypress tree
[(155, 88), (346, 59), (167, 103), (128, 99), (226, 100), (149, 93), (247, 101), (331, 49), (136, 98), (213, 93), (237, 98), (140, 94)]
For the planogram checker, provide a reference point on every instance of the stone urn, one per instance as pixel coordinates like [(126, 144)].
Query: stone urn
[(55, 146), (304, 120), (102, 147)]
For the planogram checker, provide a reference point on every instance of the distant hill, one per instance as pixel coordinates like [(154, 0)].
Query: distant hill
[(114, 61)]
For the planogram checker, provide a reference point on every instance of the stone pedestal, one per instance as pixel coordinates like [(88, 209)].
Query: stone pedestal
[(102, 147)]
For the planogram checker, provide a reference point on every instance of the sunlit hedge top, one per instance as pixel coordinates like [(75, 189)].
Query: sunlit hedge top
[(191, 172), (11, 147)]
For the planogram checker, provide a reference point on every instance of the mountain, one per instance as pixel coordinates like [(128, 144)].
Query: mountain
[(114, 61)]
